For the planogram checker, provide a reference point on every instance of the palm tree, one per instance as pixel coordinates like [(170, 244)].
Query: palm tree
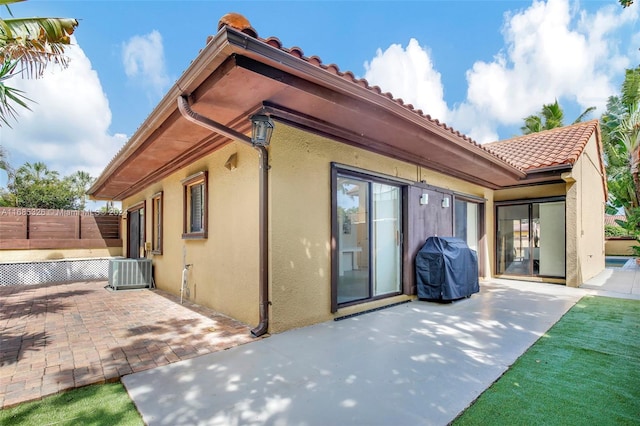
[(5, 197), (35, 172), (80, 182), (628, 136), (620, 126), (550, 117), (4, 163), (532, 124), (584, 114), (31, 44)]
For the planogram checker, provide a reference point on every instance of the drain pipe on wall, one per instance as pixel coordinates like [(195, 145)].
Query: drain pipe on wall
[(263, 208)]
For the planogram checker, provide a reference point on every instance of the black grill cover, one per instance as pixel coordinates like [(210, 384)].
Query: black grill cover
[(446, 269)]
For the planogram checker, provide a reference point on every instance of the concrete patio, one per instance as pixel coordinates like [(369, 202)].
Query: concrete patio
[(416, 362), (61, 336)]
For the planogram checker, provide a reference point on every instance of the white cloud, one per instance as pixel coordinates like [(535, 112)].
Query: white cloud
[(143, 60), (553, 50), (409, 74), (67, 127)]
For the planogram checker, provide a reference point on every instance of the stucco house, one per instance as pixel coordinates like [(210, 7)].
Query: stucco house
[(324, 219)]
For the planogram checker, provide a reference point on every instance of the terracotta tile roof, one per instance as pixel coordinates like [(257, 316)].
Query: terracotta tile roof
[(548, 148), (240, 23), (611, 219)]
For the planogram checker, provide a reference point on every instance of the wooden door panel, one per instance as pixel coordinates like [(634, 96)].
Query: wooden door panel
[(423, 221)]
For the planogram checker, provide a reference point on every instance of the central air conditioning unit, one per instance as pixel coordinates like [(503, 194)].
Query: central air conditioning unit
[(130, 273)]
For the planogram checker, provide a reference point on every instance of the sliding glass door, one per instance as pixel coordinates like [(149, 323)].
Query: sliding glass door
[(467, 222), (549, 240), (368, 216), (531, 239), (386, 239)]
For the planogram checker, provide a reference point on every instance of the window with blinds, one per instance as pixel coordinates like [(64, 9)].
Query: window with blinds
[(156, 230), (195, 206)]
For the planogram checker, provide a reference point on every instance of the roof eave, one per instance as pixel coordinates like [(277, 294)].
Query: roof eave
[(214, 53), (229, 41), (279, 59)]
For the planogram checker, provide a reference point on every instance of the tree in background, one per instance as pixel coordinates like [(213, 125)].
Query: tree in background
[(620, 126), (34, 185), (4, 162), (5, 197), (550, 117), (27, 46), (80, 183)]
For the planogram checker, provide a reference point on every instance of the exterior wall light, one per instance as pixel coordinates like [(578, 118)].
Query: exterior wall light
[(261, 129)]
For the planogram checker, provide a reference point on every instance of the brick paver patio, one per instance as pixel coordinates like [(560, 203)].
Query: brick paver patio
[(61, 336)]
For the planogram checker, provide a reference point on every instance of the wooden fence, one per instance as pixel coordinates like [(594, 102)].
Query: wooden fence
[(24, 229)]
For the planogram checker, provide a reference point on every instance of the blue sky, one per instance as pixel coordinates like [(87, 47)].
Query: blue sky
[(480, 66)]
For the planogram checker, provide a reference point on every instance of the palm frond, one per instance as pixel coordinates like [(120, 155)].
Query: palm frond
[(532, 124), (553, 115), (36, 42), (10, 97), (6, 4), (583, 115), (631, 87)]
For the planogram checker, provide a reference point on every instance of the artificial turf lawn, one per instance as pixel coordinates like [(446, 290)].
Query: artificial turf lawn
[(107, 404), (584, 370)]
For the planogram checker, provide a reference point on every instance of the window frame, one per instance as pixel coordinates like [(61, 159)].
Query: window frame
[(157, 215), (482, 232), (139, 207), (192, 181)]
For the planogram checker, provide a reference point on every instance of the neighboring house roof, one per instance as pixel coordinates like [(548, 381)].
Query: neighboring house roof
[(238, 74), (555, 147), (611, 219)]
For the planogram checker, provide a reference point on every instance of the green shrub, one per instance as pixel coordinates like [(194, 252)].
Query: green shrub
[(615, 231)]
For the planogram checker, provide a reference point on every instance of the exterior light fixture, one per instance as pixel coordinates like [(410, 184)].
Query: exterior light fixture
[(261, 129)]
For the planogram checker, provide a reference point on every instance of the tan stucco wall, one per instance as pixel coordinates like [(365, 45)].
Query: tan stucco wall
[(301, 220), (225, 271), (224, 275), (588, 214), (57, 254), (619, 247)]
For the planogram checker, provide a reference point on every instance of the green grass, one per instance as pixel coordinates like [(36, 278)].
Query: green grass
[(107, 404), (584, 370)]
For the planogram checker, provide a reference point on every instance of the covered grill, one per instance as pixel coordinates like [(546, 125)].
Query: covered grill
[(446, 269)]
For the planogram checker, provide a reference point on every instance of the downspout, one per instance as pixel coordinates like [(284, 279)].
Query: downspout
[(263, 207)]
